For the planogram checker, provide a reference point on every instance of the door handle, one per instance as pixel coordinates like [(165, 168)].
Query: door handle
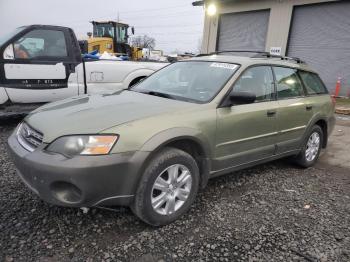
[(271, 113), (308, 107)]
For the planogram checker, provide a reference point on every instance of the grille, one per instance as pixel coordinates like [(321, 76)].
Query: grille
[(28, 137)]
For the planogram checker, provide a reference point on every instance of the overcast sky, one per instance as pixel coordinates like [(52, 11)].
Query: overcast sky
[(175, 24)]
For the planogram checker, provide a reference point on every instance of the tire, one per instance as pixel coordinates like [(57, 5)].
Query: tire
[(162, 164), (307, 157)]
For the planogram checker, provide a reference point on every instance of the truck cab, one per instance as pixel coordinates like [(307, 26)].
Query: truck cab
[(43, 63), (38, 65)]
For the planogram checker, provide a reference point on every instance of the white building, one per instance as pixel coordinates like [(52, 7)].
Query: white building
[(317, 31)]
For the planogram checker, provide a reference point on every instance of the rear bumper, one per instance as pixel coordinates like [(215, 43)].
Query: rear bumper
[(331, 125), (82, 181)]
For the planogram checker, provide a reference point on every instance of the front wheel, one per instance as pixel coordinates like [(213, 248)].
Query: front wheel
[(311, 148), (168, 187)]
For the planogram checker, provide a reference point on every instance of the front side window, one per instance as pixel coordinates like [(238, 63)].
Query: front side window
[(313, 83), (257, 80), (193, 81), (104, 30), (38, 44), (288, 83)]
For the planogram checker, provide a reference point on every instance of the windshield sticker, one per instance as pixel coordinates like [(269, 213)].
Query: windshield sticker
[(224, 65)]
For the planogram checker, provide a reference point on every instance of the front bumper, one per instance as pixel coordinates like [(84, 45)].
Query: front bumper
[(82, 181)]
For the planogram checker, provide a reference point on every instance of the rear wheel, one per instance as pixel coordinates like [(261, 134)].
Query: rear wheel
[(312, 148), (168, 187)]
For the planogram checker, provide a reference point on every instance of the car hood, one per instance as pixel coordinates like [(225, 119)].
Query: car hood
[(92, 114)]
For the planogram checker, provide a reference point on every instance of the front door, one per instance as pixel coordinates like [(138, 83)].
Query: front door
[(246, 133), (38, 65)]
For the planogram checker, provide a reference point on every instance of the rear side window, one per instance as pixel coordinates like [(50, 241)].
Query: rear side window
[(313, 83), (288, 83)]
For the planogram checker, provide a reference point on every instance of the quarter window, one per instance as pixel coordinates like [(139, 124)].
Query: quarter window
[(38, 44), (288, 83), (257, 80), (313, 83)]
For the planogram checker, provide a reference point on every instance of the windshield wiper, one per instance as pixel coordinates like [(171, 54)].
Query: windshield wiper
[(155, 93)]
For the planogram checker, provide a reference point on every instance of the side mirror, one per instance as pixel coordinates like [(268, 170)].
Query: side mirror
[(9, 53), (240, 98), (133, 30)]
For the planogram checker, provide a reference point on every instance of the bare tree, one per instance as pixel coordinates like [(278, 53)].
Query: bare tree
[(143, 41)]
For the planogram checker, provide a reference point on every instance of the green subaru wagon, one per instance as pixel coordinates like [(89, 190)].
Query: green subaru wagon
[(152, 147)]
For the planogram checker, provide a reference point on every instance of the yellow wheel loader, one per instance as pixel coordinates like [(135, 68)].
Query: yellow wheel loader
[(112, 37)]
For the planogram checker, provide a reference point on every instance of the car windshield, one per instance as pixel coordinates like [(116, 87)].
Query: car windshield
[(193, 81), (5, 37)]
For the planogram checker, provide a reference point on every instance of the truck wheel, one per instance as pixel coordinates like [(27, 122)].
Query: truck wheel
[(167, 188), (311, 148)]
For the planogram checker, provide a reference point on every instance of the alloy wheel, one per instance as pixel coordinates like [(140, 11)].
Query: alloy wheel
[(171, 189), (313, 146)]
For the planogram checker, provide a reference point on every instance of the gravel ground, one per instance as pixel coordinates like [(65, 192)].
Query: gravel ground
[(274, 212)]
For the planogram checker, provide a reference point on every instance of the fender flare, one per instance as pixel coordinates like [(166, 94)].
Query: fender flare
[(311, 123), (136, 74), (161, 139)]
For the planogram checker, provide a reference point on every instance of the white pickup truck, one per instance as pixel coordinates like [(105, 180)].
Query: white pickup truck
[(42, 63)]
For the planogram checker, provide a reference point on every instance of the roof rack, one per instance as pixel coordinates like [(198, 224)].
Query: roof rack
[(258, 54), (234, 51), (286, 58)]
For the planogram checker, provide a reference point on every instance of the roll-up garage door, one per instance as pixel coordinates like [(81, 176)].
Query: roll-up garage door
[(320, 35), (243, 31)]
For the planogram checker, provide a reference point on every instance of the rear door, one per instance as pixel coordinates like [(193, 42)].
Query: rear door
[(39, 65), (247, 133), (294, 112)]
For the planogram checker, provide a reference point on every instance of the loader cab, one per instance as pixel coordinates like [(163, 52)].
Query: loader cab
[(114, 30), (109, 36)]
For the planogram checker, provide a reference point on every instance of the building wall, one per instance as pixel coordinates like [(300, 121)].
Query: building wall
[(280, 18)]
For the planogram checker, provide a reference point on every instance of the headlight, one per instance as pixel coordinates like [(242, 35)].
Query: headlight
[(83, 145)]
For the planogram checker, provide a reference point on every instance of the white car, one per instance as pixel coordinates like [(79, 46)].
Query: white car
[(42, 63)]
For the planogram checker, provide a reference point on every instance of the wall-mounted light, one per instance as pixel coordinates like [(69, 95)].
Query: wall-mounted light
[(211, 9)]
